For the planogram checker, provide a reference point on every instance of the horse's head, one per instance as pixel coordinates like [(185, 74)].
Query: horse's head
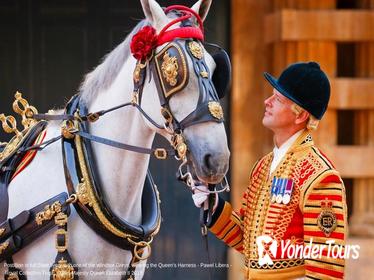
[(184, 83)]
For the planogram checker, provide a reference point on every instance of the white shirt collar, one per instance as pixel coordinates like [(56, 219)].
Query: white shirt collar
[(278, 153)]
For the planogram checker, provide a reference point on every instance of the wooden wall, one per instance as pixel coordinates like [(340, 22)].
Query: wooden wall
[(269, 35)]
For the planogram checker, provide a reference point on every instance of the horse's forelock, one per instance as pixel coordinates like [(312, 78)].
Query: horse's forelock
[(104, 74)]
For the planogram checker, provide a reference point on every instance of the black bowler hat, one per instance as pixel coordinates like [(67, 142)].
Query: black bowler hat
[(306, 85)]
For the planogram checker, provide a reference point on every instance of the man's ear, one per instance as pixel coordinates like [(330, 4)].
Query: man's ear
[(303, 116)]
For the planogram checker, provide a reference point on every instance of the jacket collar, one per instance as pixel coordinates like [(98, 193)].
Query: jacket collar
[(304, 141)]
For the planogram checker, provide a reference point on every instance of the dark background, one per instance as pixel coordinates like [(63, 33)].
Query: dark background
[(47, 46)]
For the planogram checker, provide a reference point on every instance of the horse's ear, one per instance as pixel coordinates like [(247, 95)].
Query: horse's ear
[(154, 13), (202, 7)]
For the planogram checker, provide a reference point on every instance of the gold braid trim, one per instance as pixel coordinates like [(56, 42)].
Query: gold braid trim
[(282, 270), (277, 264), (91, 195), (254, 216)]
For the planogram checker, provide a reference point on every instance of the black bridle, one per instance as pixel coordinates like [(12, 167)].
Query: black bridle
[(208, 108)]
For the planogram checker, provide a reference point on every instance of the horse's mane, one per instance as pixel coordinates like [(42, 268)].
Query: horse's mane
[(104, 74)]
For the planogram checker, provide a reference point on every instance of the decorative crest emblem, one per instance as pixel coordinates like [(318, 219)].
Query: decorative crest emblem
[(63, 271), (326, 220), (169, 69)]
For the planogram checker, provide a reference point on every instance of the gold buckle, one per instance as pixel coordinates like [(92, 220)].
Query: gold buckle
[(160, 153), (93, 117), (135, 97), (61, 219), (62, 248), (166, 114), (68, 129)]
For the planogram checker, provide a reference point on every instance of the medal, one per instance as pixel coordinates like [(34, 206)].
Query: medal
[(287, 191), (274, 190), (281, 188)]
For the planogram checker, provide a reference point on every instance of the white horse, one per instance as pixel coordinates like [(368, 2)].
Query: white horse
[(122, 172)]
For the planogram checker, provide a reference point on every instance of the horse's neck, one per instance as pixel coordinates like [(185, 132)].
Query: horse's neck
[(121, 172)]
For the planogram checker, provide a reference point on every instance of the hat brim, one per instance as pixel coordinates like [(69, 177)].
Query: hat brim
[(274, 82)]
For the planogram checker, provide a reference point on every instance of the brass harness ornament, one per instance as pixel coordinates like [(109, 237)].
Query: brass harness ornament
[(215, 109), (3, 246), (9, 124), (170, 69), (196, 49), (63, 271), (48, 213)]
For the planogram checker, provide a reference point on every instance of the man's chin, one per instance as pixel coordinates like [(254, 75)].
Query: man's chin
[(265, 122)]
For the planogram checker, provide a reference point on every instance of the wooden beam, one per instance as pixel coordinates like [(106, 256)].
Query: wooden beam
[(332, 25), (352, 94), (247, 133), (352, 161)]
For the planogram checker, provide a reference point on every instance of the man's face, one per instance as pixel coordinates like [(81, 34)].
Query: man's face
[(278, 112)]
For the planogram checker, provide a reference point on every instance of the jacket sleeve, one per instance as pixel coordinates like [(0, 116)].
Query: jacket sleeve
[(227, 225), (325, 222)]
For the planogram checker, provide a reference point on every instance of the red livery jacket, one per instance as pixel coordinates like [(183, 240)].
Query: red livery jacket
[(312, 219)]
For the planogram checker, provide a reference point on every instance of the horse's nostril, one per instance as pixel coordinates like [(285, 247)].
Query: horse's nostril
[(208, 161)]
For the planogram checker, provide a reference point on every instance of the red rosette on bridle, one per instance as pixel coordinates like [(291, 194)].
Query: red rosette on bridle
[(143, 43)]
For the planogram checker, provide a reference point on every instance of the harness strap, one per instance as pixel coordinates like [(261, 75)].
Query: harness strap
[(8, 227), (63, 267), (130, 273), (39, 221), (92, 117), (205, 219), (41, 146), (8, 166), (115, 144), (78, 163), (50, 117)]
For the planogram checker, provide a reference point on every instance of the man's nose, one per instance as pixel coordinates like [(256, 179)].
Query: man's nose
[(268, 100)]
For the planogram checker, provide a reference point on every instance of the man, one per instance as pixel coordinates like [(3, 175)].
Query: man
[(295, 198)]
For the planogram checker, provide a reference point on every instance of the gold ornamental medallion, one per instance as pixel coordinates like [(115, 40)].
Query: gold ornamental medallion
[(215, 110), (196, 49)]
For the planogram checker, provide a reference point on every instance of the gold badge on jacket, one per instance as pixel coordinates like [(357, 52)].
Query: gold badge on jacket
[(327, 219)]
